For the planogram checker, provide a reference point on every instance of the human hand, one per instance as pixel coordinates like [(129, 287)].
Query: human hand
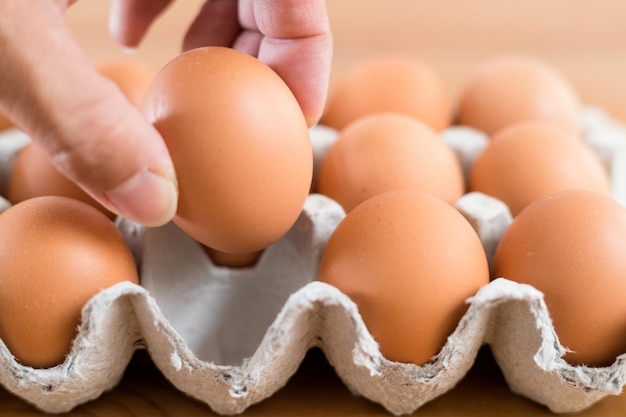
[(291, 36), (93, 134)]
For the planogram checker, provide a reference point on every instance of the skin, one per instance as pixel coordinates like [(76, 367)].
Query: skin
[(94, 136)]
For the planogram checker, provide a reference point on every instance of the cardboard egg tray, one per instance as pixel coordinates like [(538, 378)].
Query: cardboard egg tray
[(233, 337)]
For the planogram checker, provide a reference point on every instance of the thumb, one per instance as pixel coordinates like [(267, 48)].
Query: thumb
[(93, 134)]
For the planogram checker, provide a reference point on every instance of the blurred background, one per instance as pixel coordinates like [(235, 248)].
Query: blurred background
[(584, 39)]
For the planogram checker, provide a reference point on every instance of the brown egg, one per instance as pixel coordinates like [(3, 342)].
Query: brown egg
[(130, 76), (399, 84), (529, 160), (240, 145), (55, 254), (516, 88), (232, 260), (388, 151), (409, 261), (34, 175), (571, 246)]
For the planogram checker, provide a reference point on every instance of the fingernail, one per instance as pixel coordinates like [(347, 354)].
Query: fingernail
[(146, 198)]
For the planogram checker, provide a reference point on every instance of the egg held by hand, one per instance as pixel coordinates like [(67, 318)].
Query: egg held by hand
[(240, 145)]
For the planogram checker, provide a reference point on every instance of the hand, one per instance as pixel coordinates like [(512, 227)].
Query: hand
[(291, 36), (93, 134), (98, 139)]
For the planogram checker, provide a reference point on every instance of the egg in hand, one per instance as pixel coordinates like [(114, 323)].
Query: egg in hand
[(240, 145)]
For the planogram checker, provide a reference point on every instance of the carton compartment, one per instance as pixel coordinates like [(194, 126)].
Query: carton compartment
[(233, 337)]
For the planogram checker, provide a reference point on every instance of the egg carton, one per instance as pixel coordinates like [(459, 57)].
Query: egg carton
[(233, 337)]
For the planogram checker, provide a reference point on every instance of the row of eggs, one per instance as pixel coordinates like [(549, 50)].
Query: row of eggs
[(388, 253)]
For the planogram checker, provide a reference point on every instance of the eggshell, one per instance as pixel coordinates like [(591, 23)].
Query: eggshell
[(528, 160), (232, 260), (388, 151), (388, 255), (55, 254), (571, 246), (240, 145), (34, 175), (400, 84), (515, 88)]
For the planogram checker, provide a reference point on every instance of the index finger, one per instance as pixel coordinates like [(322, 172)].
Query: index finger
[(297, 43)]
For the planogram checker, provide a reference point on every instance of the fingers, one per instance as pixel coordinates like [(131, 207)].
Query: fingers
[(285, 19), (93, 134), (297, 44), (129, 20), (304, 64), (110, 149), (291, 36), (215, 25)]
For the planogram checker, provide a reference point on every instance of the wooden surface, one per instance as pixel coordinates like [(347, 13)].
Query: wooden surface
[(585, 39)]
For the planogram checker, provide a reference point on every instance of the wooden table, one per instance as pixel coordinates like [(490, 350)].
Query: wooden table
[(585, 39)]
